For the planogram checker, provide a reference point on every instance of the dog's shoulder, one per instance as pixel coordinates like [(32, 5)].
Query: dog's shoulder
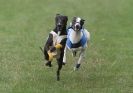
[(87, 33), (53, 33), (85, 30), (69, 29)]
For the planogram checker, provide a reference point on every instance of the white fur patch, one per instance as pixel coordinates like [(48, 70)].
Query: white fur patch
[(78, 19), (56, 38)]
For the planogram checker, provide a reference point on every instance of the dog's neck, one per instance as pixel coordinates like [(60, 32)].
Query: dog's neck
[(74, 36), (63, 32)]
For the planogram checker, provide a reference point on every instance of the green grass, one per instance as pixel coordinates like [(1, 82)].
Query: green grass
[(24, 26)]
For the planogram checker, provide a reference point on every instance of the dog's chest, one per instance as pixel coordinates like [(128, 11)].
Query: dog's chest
[(56, 38), (75, 37)]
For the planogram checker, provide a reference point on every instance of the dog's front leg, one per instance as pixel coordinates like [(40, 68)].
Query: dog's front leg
[(81, 56), (65, 54), (47, 56)]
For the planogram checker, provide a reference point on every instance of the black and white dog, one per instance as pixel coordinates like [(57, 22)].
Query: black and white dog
[(55, 44), (77, 40)]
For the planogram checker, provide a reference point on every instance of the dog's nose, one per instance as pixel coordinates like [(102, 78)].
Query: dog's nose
[(77, 26), (59, 24)]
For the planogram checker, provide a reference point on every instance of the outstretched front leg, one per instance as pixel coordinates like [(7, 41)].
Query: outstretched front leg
[(81, 56), (47, 55)]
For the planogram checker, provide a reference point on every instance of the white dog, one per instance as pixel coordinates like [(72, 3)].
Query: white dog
[(77, 40)]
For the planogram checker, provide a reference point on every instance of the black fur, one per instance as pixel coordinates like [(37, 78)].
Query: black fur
[(60, 25)]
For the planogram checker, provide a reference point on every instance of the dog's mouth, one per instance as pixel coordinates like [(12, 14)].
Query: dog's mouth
[(59, 31), (77, 27), (59, 27)]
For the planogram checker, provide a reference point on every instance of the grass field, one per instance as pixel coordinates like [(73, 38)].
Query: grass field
[(24, 26)]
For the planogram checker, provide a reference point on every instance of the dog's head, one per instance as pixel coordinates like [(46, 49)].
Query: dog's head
[(61, 23), (77, 23)]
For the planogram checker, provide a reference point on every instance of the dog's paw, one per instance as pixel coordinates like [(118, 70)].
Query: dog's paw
[(76, 67), (63, 63), (52, 49), (48, 64)]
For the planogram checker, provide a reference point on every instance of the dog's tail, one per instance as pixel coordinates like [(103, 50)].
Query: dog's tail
[(41, 49)]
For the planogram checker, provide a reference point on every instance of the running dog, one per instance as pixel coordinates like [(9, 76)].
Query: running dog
[(55, 44), (77, 40)]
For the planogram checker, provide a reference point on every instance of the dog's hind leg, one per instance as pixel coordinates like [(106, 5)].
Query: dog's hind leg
[(58, 70), (60, 63)]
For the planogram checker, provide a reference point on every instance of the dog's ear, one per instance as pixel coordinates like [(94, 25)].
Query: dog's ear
[(73, 20), (57, 14), (66, 18), (56, 18), (82, 22)]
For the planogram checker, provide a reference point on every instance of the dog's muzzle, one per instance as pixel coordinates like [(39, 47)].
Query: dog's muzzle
[(77, 26), (59, 28)]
